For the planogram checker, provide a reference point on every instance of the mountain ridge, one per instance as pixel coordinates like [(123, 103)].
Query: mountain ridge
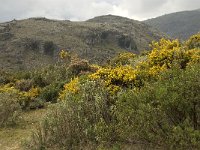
[(177, 25), (23, 42)]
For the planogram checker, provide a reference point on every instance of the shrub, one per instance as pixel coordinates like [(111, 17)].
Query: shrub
[(165, 113), (119, 77), (38, 80), (123, 59), (28, 98), (9, 109), (79, 66), (51, 92), (193, 42), (24, 85), (77, 121)]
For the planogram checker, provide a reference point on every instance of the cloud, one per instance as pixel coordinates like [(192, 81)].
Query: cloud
[(85, 9)]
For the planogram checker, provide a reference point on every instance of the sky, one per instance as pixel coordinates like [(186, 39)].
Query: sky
[(80, 10)]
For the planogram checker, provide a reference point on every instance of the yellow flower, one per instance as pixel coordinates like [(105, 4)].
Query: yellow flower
[(72, 87), (63, 54)]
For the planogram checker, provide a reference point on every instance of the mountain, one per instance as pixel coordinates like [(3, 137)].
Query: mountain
[(35, 42), (177, 25)]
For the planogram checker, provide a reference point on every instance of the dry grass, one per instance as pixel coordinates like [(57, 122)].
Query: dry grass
[(11, 138)]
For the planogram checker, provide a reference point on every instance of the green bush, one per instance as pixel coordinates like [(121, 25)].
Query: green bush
[(38, 80), (9, 109), (36, 104), (81, 119), (51, 92), (165, 113)]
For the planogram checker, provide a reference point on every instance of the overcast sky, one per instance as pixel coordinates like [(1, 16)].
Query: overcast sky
[(85, 9)]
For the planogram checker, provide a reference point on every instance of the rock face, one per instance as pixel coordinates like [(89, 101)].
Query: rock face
[(178, 25), (35, 42)]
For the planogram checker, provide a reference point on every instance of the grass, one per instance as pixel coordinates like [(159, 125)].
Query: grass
[(11, 138)]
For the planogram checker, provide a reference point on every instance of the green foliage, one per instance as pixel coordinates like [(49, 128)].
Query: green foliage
[(51, 92), (78, 120), (152, 99), (39, 80), (9, 109), (163, 113)]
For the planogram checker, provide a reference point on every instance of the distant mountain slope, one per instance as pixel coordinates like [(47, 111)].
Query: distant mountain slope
[(178, 25), (33, 42)]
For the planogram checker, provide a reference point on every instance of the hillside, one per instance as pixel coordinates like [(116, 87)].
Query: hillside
[(178, 25), (135, 102), (34, 42)]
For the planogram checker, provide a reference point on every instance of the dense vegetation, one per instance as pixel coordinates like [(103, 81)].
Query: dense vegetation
[(151, 100)]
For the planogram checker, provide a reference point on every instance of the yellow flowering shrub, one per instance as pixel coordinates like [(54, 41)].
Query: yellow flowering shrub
[(24, 98), (8, 88), (165, 52), (194, 55), (193, 42), (118, 77), (155, 70), (71, 87), (63, 54), (123, 58), (31, 94)]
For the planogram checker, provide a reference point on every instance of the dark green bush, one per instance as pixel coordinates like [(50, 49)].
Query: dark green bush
[(51, 92), (38, 80)]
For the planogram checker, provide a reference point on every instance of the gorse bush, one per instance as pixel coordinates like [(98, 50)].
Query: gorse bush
[(119, 77), (193, 42), (123, 59)]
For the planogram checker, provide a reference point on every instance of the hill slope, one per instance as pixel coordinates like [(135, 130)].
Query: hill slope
[(25, 44), (178, 25)]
